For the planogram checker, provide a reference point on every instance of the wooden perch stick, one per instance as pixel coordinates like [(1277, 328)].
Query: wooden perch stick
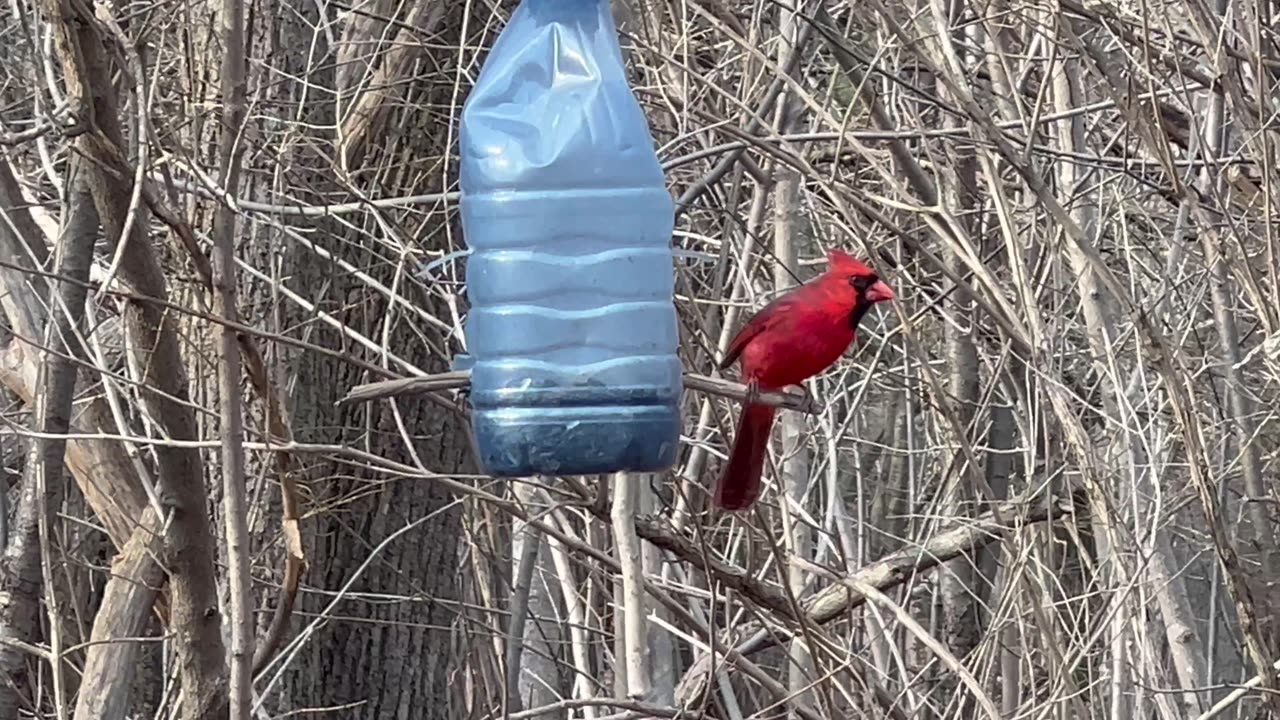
[(459, 379), (400, 387)]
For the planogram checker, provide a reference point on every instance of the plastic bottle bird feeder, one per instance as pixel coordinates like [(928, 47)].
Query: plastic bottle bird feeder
[(571, 332)]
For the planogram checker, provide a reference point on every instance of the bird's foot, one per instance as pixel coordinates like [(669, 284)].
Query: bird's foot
[(808, 403), (753, 392)]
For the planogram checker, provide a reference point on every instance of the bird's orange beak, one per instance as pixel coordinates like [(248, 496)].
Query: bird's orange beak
[(879, 291)]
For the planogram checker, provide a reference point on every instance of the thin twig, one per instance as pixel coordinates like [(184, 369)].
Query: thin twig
[(939, 650)]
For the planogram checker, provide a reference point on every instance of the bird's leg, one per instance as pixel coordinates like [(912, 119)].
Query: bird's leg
[(753, 392)]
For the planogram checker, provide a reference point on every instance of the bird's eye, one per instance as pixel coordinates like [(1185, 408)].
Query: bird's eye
[(862, 282)]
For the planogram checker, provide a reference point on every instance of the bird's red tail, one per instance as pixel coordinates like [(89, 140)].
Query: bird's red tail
[(739, 486)]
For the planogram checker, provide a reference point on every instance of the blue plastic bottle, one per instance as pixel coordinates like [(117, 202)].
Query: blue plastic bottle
[(572, 331)]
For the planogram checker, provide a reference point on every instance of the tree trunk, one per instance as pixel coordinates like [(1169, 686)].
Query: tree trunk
[(372, 628), (959, 592), (20, 567), (387, 652)]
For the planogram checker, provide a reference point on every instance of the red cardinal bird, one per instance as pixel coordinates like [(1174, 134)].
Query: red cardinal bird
[(798, 335)]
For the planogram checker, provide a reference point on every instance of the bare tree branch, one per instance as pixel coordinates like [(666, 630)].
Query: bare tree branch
[(20, 568), (235, 504)]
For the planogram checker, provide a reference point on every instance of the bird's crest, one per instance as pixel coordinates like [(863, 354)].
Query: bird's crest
[(844, 263)]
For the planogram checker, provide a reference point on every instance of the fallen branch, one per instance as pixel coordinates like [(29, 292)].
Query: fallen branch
[(894, 569)]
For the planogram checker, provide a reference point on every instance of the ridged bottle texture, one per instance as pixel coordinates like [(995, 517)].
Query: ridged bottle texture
[(571, 331)]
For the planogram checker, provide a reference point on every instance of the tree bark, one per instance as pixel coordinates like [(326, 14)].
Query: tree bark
[(391, 657)]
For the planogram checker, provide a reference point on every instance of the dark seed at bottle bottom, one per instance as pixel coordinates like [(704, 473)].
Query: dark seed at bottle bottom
[(520, 442)]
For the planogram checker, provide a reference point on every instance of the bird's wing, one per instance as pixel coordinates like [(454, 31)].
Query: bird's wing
[(769, 316)]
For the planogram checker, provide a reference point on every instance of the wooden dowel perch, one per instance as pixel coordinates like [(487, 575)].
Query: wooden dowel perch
[(459, 379)]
